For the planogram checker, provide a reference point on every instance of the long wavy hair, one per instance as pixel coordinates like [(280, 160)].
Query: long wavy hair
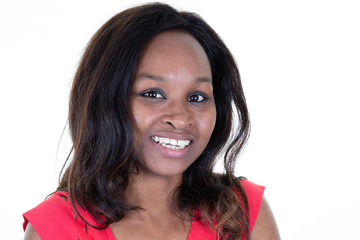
[(103, 156)]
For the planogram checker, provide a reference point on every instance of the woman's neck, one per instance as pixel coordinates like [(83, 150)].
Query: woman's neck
[(157, 218), (152, 193)]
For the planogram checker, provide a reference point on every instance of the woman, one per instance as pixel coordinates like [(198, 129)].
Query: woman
[(150, 110)]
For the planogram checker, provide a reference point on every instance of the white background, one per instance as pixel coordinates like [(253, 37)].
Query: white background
[(300, 67)]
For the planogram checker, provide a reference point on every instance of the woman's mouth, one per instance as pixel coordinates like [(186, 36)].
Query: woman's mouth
[(171, 143)]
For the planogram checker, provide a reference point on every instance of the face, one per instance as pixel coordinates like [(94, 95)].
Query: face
[(172, 104)]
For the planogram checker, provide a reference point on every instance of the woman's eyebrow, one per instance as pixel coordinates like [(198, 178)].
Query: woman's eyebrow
[(152, 77), (203, 79), (162, 79)]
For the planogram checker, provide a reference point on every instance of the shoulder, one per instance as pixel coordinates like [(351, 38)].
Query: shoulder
[(254, 194), (54, 215), (261, 220), (265, 226), (56, 219)]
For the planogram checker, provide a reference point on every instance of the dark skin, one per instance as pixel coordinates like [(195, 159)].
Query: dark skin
[(183, 109)]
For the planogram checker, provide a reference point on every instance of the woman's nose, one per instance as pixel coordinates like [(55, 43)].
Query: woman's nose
[(178, 116)]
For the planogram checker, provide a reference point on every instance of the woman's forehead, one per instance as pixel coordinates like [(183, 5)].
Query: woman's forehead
[(174, 52)]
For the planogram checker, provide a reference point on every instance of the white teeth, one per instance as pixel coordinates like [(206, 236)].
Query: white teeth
[(183, 142), (171, 143)]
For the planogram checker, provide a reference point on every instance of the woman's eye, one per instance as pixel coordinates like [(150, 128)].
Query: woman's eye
[(197, 98), (152, 94)]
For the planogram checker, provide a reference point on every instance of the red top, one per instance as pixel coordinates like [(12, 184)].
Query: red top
[(55, 219)]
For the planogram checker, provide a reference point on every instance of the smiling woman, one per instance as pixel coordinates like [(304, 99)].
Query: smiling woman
[(172, 102), (150, 112)]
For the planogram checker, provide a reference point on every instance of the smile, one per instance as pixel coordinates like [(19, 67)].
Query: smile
[(171, 143)]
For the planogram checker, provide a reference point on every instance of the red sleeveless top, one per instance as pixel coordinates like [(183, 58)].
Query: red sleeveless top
[(55, 219)]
